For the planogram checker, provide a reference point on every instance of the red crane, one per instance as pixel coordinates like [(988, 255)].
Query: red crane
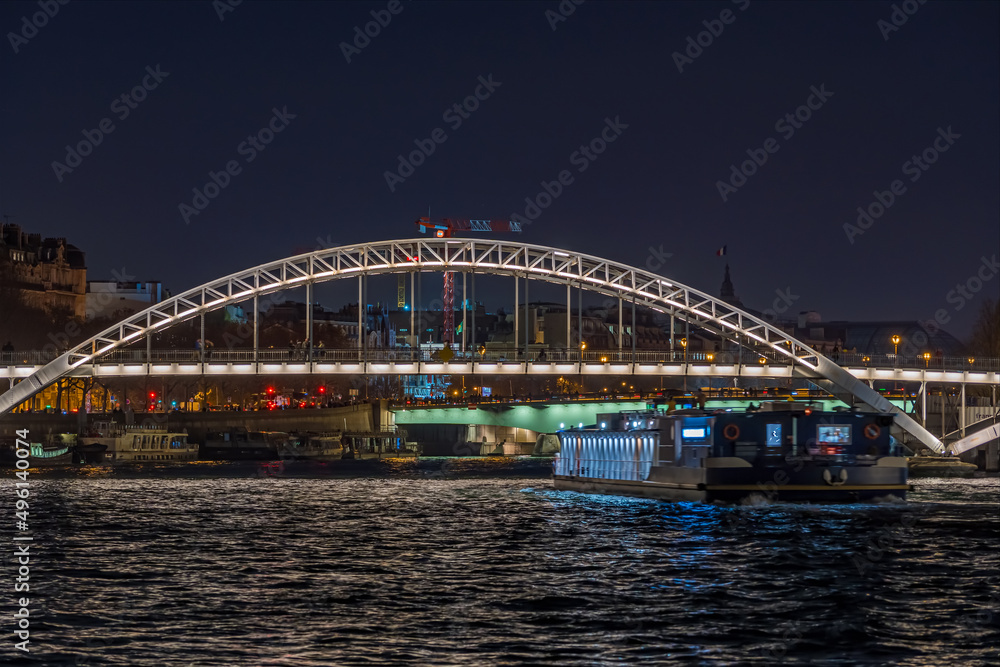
[(446, 228)]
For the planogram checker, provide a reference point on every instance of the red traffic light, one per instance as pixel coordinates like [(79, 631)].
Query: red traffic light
[(322, 390), (270, 390), (152, 394)]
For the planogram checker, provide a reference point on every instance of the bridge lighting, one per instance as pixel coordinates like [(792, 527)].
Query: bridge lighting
[(604, 360), (866, 359), (972, 360), (583, 345), (684, 342), (927, 359), (710, 356), (761, 360), (895, 343)]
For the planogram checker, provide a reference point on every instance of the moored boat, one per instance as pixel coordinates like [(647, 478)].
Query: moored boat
[(134, 444), (239, 444), (58, 450), (932, 465), (313, 447), (783, 451)]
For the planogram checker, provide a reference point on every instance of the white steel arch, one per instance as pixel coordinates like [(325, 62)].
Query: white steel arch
[(555, 265)]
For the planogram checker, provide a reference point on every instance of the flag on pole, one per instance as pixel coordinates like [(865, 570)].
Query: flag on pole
[(721, 251)]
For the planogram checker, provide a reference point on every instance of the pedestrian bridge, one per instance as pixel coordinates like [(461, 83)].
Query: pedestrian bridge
[(776, 353), (762, 364)]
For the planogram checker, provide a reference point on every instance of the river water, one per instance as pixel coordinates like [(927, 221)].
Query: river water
[(480, 563)]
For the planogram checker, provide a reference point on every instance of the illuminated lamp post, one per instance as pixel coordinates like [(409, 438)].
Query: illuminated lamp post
[(684, 345), (927, 359)]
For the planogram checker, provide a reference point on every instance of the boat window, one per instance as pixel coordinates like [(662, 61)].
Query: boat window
[(834, 434)]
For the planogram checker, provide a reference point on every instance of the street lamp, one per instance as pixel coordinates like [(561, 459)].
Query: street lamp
[(866, 359), (972, 360), (761, 360), (927, 359), (710, 356), (895, 344)]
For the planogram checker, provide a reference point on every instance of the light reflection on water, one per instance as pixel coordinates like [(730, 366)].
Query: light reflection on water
[(472, 570)]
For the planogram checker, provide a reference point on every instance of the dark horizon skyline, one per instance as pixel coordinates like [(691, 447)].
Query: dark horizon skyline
[(823, 107)]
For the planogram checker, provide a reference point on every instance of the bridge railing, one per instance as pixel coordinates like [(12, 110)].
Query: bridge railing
[(500, 355)]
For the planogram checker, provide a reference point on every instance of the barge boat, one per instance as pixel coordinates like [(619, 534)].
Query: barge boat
[(783, 451), (134, 444)]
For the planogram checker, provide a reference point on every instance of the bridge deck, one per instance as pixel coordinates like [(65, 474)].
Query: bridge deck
[(126, 363)]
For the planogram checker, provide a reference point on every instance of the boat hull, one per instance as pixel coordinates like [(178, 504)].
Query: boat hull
[(805, 483)]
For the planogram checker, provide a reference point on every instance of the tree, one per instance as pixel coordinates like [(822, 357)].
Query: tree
[(985, 339)]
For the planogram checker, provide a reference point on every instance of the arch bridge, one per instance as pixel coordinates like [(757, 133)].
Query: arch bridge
[(785, 355)]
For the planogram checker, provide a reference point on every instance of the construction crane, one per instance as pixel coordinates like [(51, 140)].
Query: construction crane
[(446, 228)]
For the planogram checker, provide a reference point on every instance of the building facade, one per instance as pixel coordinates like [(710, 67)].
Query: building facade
[(49, 274)]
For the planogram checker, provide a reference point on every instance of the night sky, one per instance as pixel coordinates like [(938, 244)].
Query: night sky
[(880, 95)]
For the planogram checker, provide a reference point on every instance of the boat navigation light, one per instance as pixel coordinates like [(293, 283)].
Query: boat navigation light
[(604, 425)]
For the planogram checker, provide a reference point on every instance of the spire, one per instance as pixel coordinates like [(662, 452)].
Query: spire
[(727, 293)]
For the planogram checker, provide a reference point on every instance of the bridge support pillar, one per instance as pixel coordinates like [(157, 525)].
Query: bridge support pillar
[(201, 352), (256, 335), (465, 304), (633, 334), (309, 324), (961, 411), (527, 323), (473, 338), (619, 327), (517, 313), (360, 334), (923, 404), (569, 315), (414, 335)]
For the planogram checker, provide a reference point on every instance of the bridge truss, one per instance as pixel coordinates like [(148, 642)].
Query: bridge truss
[(553, 265)]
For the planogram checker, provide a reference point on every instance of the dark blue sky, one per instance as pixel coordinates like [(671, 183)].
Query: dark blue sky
[(656, 185)]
